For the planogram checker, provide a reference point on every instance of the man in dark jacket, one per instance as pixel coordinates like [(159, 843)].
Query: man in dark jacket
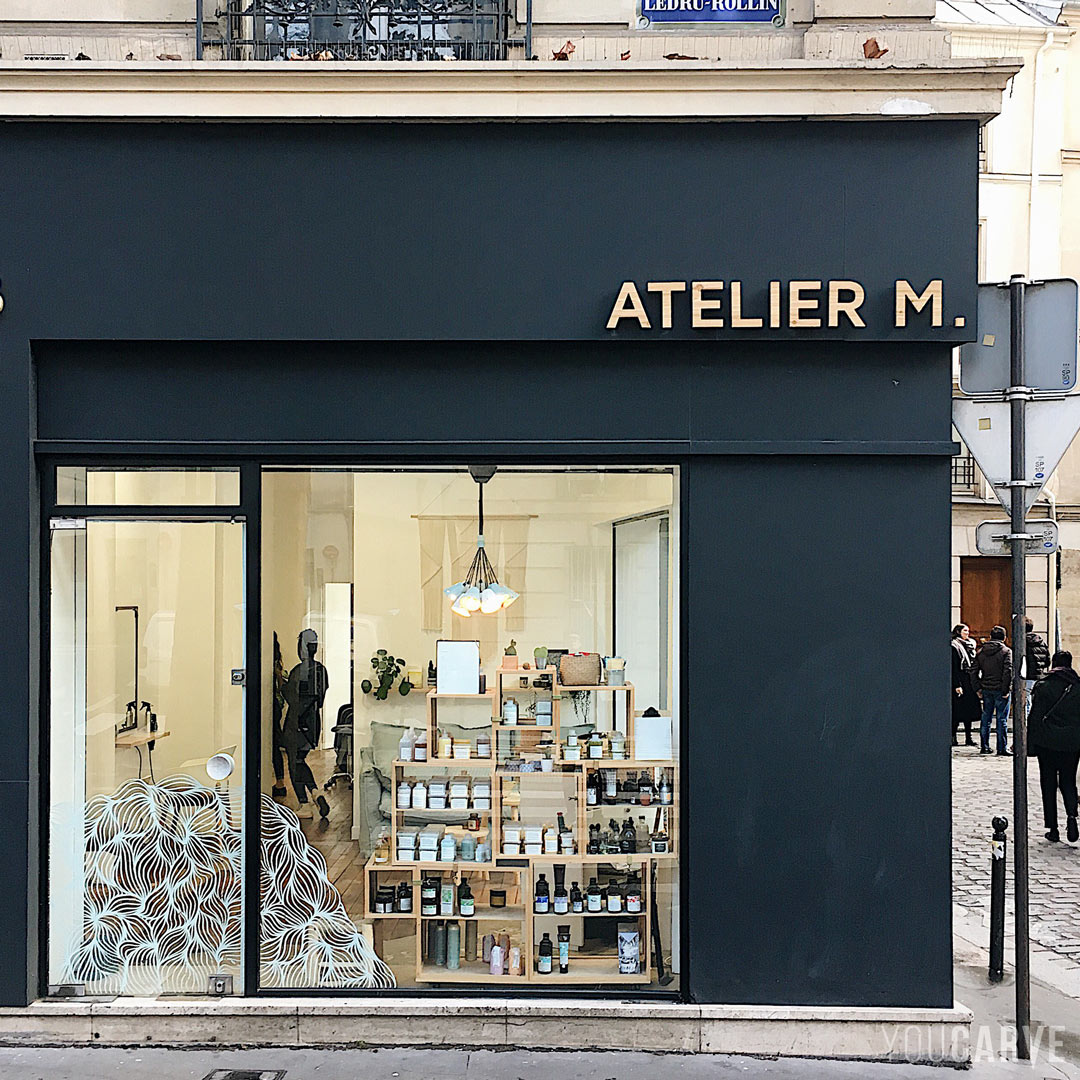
[(1036, 659), (1054, 738), (993, 679)]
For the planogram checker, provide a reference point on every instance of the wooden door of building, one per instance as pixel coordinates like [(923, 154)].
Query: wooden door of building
[(985, 594)]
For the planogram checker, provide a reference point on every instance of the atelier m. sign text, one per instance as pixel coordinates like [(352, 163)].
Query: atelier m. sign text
[(806, 304)]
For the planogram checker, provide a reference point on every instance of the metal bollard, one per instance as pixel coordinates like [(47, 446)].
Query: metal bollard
[(997, 900)]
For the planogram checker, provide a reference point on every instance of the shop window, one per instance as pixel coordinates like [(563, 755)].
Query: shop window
[(146, 832), (82, 486), (487, 799)]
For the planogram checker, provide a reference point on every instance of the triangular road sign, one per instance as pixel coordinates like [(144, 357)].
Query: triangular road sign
[(1050, 428)]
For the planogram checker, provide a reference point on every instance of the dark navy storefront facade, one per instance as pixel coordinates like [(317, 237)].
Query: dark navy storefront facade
[(253, 294)]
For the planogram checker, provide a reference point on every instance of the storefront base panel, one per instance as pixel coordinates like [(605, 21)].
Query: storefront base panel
[(939, 1035)]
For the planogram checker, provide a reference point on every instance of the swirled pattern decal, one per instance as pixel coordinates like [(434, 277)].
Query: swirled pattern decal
[(162, 907), (307, 938)]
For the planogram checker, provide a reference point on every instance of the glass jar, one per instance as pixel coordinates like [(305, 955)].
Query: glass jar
[(618, 745), (596, 746), (382, 849), (404, 795)]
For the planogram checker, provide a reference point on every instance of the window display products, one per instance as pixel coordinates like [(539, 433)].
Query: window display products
[(522, 826)]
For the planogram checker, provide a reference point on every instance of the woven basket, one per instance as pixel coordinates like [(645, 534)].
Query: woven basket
[(582, 669)]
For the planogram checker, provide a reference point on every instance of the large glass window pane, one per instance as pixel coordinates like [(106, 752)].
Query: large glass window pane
[(77, 485), (435, 819), (146, 728)]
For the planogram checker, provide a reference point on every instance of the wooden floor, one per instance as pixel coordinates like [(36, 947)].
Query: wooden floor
[(333, 836)]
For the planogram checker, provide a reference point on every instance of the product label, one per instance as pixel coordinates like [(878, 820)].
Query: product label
[(428, 908), (544, 966), (560, 905), (564, 955), (541, 905), (594, 903), (633, 904), (405, 903), (578, 906), (468, 907), (614, 903)]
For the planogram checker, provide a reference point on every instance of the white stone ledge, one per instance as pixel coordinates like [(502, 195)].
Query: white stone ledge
[(804, 1031), (514, 90)]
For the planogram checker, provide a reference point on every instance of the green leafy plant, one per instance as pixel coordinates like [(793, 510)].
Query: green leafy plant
[(540, 656), (385, 669), (511, 649)]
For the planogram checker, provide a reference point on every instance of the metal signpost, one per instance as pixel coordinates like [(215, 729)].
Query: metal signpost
[(986, 370)]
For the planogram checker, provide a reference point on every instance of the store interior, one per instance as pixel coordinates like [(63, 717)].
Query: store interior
[(359, 563)]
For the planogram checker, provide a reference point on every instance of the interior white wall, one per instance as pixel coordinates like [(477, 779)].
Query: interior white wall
[(67, 748)]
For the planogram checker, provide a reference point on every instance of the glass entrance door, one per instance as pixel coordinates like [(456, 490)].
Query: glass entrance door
[(146, 717)]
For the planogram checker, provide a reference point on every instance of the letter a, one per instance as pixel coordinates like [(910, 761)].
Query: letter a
[(628, 306)]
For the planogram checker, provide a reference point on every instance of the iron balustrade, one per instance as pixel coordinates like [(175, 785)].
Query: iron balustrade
[(394, 30), (963, 472)]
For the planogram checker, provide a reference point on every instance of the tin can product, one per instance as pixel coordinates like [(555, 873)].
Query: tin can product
[(629, 946)]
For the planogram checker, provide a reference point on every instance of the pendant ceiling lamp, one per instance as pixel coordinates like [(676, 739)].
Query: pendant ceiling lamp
[(480, 592)]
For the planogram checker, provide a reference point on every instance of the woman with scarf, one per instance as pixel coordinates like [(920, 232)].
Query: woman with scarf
[(966, 709)]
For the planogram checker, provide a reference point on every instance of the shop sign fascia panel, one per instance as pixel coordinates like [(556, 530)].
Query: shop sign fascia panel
[(512, 90)]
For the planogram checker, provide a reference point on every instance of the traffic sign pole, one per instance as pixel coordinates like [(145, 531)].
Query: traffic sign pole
[(1018, 397)]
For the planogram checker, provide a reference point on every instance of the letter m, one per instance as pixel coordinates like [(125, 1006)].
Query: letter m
[(931, 295)]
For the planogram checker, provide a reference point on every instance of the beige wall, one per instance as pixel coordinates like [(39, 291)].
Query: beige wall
[(187, 579), (91, 11)]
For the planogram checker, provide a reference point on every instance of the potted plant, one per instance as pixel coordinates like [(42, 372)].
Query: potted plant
[(510, 659), (386, 669), (540, 656)]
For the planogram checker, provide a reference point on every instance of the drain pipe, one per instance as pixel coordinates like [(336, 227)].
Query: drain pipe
[(1033, 184), (198, 28)]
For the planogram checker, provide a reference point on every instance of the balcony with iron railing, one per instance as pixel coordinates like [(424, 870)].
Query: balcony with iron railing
[(396, 30)]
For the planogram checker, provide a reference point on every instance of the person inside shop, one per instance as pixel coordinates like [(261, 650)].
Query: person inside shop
[(993, 679), (278, 747), (1036, 659), (305, 691), (966, 709), (1054, 738)]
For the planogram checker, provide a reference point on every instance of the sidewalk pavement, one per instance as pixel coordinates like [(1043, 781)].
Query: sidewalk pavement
[(982, 789)]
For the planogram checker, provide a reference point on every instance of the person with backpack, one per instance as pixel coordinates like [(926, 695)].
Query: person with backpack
[(1036, 659), (993, 679), (1054, 738)]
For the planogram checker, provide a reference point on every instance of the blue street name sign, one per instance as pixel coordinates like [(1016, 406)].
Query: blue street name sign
[(710, 11)]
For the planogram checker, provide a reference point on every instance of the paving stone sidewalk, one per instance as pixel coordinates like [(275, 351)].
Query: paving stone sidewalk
[(982, 789)]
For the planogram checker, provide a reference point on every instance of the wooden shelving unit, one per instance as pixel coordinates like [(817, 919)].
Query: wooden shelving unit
[(512, 792)]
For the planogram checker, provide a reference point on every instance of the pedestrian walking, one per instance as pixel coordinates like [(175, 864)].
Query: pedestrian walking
[(993, 679), (1054, 738), (1036, 659), (966, 709)]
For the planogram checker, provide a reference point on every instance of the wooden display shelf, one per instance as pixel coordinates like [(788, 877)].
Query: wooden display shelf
[(560, 687), (485, 913), (471, 971), (389, 915), (590, 915), (446, 763), (615, 860), (457, 864), (588, 969), (519, 872)]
